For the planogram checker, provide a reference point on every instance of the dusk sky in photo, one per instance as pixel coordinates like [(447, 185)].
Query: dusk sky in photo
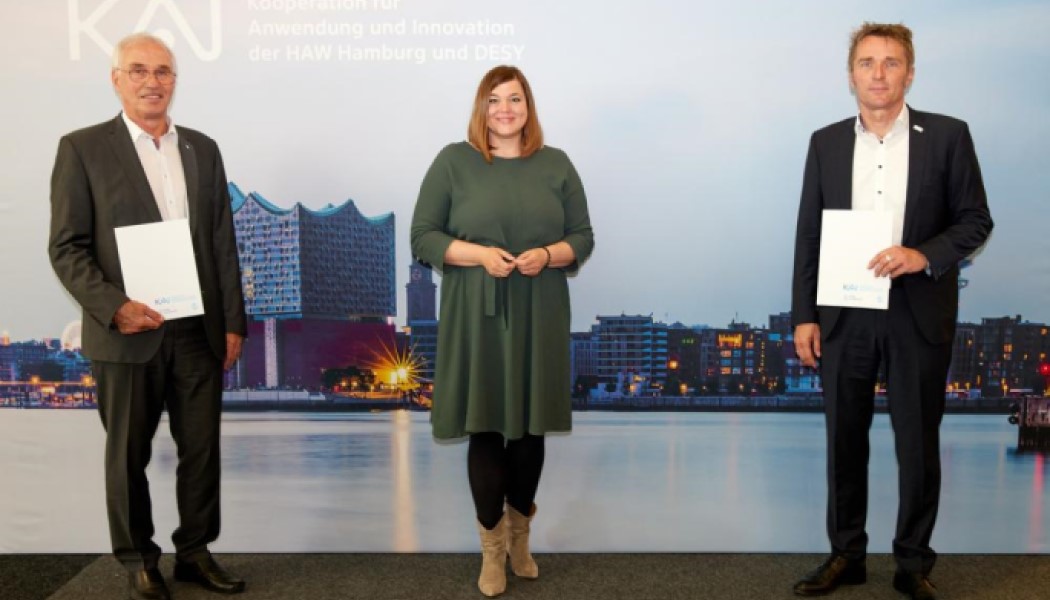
[(687, 121)]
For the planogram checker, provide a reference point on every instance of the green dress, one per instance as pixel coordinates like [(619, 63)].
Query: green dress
[(503, 343)]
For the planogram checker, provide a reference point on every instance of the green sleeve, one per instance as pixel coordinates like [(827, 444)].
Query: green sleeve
[(578, 233), (429, 233)]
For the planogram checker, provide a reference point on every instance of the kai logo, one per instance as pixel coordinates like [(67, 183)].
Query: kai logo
[(85, 26)]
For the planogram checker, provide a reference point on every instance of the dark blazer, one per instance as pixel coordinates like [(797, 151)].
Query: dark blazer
[(98, 184), (946, 217)]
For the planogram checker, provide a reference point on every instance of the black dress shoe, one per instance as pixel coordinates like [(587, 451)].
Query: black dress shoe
[(836, 570), (916, 585), (147, 584), (207, 573)]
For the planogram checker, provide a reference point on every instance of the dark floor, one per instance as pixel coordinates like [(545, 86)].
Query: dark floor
[(37, 576), (562, 577)]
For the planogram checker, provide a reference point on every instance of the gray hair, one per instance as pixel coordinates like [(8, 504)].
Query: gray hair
[(135, 39)]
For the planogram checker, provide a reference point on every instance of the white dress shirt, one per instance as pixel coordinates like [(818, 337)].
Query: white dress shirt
[(162, 163), (880, 171)]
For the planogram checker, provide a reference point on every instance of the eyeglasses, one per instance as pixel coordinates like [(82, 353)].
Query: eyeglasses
[(140, 74)]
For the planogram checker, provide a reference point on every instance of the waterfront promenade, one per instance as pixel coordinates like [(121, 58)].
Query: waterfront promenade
[(77, 395), (781, 403)]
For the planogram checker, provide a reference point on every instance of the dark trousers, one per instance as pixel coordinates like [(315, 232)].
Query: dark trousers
[(916, 372), (185, 378)]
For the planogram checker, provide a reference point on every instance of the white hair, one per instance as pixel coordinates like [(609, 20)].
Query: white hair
[(135, 39)]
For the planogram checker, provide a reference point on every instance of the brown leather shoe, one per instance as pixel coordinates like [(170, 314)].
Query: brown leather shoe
[(916, 585), (147, 584), (207, 573), (837, 570)]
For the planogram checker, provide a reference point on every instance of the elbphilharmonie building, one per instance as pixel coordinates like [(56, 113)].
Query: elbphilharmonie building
[(319, 288)]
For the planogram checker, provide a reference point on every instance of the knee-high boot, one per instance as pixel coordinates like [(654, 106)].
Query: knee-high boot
[(493, 578), (521, 561)]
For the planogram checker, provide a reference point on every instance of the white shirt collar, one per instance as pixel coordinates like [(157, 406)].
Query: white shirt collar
[(137, 132), (900, 124)]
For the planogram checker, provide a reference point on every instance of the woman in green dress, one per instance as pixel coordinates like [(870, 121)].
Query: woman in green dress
[(504, 219)]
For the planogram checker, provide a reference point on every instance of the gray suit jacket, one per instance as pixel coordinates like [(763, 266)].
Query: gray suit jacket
[(98, 184), (946, 217)]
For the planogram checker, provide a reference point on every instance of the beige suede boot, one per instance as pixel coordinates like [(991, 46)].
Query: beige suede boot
[(521, 562), (493, 578)]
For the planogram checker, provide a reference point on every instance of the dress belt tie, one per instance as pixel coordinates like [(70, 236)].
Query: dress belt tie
[(496, 291)]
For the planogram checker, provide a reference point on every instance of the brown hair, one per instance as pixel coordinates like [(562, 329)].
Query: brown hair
[(478, 129), (894, 31)]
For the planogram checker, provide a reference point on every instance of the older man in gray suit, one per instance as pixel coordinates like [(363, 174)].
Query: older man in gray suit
[(140, 168)]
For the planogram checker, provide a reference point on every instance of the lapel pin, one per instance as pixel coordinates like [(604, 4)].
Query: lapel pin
[(917, 128)]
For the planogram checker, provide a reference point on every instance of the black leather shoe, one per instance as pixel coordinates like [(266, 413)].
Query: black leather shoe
[(836, 570), (916, 585), (207, 573), (147, 584)]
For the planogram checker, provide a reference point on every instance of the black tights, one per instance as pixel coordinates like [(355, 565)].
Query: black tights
[(503, 471)]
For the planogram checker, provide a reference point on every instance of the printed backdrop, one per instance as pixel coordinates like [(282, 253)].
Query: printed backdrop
[(688, 122)]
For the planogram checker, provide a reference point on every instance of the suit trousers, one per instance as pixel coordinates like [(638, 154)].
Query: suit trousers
[(185, 378), (916, 372)]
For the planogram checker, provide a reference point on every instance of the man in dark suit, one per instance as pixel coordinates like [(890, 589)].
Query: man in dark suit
[(139, 168), (922, 168)]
